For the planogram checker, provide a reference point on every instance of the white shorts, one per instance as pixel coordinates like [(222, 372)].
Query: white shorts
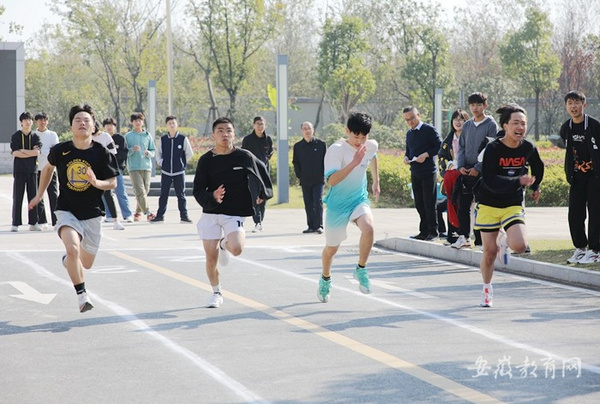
[(335, 235), (213, 226), (89, 230)]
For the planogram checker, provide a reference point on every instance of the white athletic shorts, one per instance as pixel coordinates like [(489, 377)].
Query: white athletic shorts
[(89, 230), (335, 235), (213, 226)]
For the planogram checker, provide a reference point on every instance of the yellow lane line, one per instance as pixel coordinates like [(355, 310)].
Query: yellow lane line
[(391, 361)]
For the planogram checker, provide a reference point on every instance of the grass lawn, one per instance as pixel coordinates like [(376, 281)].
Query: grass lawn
[(555, 252)]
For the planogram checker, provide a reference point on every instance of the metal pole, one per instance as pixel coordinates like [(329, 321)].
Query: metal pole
[(437, 108), (283, 165), (151, 115), (169, 58)]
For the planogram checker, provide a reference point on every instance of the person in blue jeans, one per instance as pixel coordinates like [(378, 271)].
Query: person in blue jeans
[(173, 152), (110, 127)]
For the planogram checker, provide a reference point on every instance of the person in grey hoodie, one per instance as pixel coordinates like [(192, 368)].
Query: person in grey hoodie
[(475, 131)]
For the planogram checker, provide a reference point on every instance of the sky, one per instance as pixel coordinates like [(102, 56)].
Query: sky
[(33, 13)]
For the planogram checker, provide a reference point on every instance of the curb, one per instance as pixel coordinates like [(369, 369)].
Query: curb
[(520, 266)]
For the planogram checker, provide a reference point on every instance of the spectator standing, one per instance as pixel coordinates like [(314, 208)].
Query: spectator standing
[(110, 127), (140, 152), (106, 140), (173, 153), (48, 138), (475, 132), (447, 161), (25, 146), (422, 145), (309, 165), (261, 145), (581, 134)]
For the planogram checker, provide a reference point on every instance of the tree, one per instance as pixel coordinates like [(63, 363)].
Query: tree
[(528, 58), (120, 44), (233, 32), (341, 71)]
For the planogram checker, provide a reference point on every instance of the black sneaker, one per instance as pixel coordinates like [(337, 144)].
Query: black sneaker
[(309, 230), (185, 220), (157, 219)]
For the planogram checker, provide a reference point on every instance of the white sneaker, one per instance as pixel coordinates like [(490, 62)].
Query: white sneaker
[(503, 254), (215, 301), (14, 229), (590, 257), (577, 255), (461, 242), (223, 254), (118, 226), (129, 219), (35, 227), (487, 296), (257, 228), (85, 303), (108, 220)]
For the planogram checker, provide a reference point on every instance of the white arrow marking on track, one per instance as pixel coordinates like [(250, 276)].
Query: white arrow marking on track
[(29, 293)]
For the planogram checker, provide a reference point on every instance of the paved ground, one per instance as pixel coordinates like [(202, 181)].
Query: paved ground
[(419, 337)]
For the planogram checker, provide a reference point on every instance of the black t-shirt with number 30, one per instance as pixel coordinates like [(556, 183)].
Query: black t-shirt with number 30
[(76, 194)]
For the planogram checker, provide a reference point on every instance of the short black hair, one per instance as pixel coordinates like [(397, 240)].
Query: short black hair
[(170, 118), (80, 108), (25, 115), (410, 108), (258, 118), (575, 95), (41, 115), (109, 121), (137, 115), (477, 98), (458, 113), (507, 110), (222, 120), (359, 123)]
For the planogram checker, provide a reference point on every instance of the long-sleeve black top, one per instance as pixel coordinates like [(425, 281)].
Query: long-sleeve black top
[(502, 167), (244, 177), (309, 161), (21, 141), (261, 147)]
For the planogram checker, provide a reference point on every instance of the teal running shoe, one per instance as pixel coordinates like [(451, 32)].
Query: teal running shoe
[(361, 275), (323, 292)]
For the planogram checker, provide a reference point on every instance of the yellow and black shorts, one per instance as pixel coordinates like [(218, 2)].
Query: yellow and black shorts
[(490, 219)]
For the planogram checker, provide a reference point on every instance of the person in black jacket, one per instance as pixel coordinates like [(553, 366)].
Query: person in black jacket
[(229, 183), (261, 145), (581, 134), (309, 165), (25, 146), (422, 145), (110, 127), (499, 214)]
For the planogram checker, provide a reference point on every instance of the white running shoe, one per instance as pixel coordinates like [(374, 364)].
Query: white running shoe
[(215, 301), (461, 242), (14, 229), (118, 225), (503, 254), (223, 254), (35, 227), (257, 228), (129, 219), (590, 257), (577, 255), (85, 303), (487, 296)]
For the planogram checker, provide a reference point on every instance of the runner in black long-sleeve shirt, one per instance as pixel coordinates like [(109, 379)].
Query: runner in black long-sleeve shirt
[(229, 183), (499, 214)]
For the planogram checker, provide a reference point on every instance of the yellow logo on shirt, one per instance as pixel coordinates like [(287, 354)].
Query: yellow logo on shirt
[(77, 175)]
